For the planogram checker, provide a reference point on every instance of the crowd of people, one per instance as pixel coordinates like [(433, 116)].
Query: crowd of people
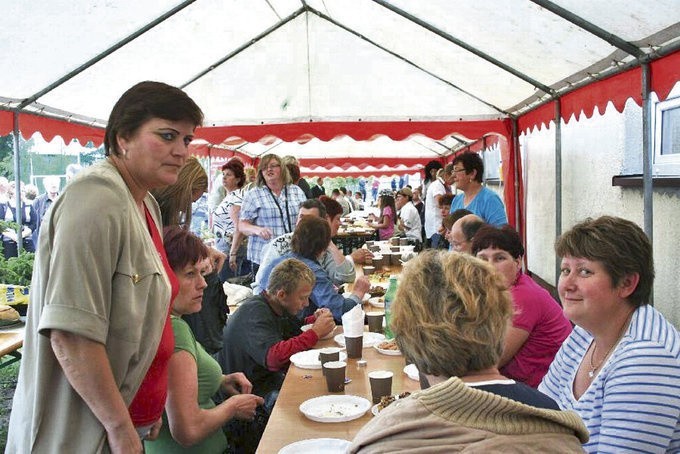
[(128, 347)]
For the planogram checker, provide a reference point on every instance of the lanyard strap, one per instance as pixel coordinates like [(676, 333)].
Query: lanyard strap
[(286, 220)]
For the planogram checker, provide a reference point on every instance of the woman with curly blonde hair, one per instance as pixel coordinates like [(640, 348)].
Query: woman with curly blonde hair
[(449, 318)]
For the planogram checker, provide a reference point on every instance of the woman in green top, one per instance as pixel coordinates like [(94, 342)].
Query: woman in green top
[(192, 422)]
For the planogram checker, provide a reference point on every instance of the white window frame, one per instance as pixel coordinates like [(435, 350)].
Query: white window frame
[(664, 164)]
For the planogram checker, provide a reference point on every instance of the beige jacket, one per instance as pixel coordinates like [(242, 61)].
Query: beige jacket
[(97, 274), (452, 417)]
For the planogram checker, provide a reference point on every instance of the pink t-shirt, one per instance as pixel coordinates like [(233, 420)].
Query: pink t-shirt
[(539, 314), (387, 232)]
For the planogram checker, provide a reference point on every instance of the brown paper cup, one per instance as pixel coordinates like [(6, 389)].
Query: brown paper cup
[(381, 384), (378, 262), (335, 376), (354, 346), (403, 241), (394, 241), (328, 354), (368, 270), (375, 320)]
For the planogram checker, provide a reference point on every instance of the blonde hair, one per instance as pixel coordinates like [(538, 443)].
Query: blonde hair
[(264, 162), (288, 275), (450, 314), (175, 200)]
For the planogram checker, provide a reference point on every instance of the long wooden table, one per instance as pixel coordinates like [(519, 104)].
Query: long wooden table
[(11, 340), (287, 424)]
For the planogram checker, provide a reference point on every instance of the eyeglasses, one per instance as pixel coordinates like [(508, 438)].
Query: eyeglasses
[(272, 167), (458, 170)]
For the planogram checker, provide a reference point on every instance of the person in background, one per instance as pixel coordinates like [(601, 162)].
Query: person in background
[(230, 239), (463, 231), (342, 200), (71, 171), (362, 188), (251, 178), (384, 224), (94, 371), (466, 404), (359, 200), (264, 333), (309, 243), (468, 171), (620, 367), (430, 174), (44, 201), (375, 185), (30, 193), (538, 326), (191, 421), (433, 219), (270, 209), (217, 193), (294, 169), (318, 190), (408, 217), (10, 237), (175, 200), (348, 198)]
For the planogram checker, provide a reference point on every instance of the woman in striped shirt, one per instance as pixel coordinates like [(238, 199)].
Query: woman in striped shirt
[(620, 367)]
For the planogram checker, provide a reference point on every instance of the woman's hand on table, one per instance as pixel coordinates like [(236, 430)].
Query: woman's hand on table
[(236, 383), (361, 286), (323, 324)]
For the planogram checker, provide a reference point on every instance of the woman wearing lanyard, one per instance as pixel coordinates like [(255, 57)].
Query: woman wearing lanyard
[(271, 208)]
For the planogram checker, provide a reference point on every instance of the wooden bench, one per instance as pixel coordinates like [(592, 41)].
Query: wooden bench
[(10, 343)]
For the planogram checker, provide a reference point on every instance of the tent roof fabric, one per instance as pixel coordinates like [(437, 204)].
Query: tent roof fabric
[(326, 68)]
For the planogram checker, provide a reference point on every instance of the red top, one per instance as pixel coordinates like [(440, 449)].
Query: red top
[(147, 406)]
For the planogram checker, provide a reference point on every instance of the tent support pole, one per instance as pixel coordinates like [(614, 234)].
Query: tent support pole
[(558, 179), (647, 157), (515, 159), (17, 184)]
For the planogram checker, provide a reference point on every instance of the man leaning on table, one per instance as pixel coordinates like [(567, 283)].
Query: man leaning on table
[(264, 333)]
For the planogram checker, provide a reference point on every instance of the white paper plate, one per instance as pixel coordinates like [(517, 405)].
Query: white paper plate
[(310, 359), (317, 445), (376, 301), (412, 371), (387, 352), (339, 408), (327, 336), (370, 339)]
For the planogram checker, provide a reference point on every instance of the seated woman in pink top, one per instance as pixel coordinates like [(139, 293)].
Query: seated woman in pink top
[(385, 223), (538, 327)]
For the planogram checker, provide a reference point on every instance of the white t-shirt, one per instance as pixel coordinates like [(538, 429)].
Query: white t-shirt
[(433, 218)]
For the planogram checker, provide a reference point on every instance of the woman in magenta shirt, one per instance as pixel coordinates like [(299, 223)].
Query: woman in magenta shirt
[(538, 327)]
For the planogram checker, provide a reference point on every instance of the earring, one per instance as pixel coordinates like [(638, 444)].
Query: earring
[(124, 153)]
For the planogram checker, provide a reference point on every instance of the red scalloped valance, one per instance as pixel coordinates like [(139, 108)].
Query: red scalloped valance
[(617, 89), (29, 124), (357, 130)]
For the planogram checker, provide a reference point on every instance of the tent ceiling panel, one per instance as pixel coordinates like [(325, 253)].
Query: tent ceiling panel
[(171, 52), (430, 52), (632, 21), (383, 82), (44, 40)]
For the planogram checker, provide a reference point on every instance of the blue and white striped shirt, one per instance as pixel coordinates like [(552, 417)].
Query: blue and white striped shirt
[(633, 404)]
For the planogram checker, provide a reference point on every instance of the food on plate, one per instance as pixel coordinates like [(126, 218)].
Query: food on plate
[(376, 291), (388, 345), (8, 313), (386, 401), (335, 410)]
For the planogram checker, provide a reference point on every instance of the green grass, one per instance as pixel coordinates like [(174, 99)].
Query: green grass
[(8, 381)]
